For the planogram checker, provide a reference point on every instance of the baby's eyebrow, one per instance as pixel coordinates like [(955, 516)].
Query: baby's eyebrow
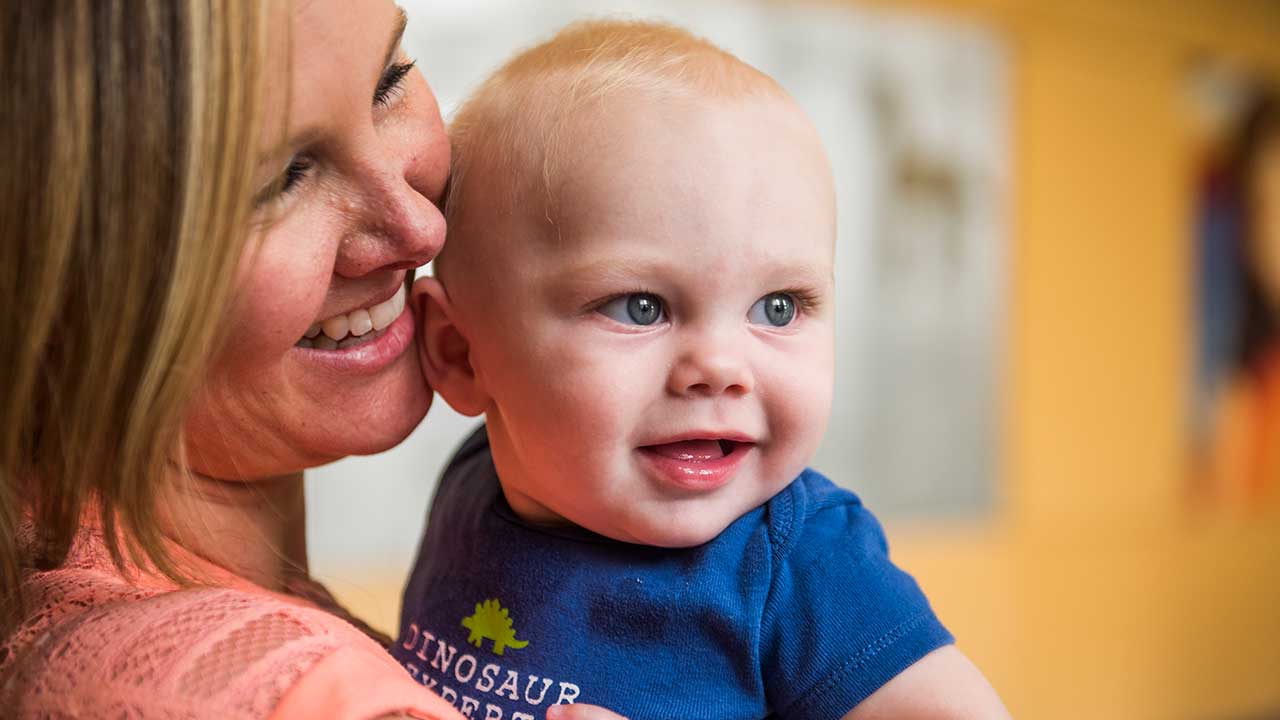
[(623, 268), (613, 268)]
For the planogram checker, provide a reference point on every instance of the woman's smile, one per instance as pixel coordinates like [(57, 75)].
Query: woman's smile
[(374, 349), (356, 327)]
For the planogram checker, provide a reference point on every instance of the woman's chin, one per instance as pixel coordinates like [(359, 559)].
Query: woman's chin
[(384, 425), (389, 433), (306, 424)]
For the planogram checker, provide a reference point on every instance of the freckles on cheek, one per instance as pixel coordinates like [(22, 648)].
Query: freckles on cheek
[(275, 305)]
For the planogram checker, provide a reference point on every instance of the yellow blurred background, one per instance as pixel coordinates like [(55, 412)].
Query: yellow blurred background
[(1101, 591), (1098, 589)]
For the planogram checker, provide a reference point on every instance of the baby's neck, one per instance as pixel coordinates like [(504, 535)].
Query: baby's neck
[(530, 510)]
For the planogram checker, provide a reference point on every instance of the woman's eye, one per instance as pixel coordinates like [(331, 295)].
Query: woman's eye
[(634, 309), (776, 309), (391, 82), (294, 174), (287, 181)]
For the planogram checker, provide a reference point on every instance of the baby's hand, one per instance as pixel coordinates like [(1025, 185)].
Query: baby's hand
[(580, 711)]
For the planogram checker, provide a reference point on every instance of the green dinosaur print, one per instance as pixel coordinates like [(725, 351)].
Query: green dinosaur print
[(492, 622)]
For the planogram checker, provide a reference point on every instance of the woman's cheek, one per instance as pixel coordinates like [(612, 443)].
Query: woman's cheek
[(281, 297)]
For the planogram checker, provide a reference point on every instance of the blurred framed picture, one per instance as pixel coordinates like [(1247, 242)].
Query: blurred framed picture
[(1235, 408)]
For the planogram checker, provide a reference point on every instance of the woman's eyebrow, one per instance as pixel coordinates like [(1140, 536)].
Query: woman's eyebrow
[(396, 34), (279, 153)]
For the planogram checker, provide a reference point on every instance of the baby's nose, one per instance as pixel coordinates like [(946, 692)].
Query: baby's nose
[(711, 370)]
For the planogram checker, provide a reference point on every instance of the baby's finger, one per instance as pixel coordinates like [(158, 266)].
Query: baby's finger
[(581, 711)]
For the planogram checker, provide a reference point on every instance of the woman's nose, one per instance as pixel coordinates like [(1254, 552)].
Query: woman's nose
[(395, 222), (711, 366)]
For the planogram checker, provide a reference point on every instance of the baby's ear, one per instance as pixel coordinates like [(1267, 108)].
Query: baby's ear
[(444, 350)]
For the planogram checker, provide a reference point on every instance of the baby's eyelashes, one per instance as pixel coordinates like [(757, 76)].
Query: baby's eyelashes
[(640, 308), (775, 309)]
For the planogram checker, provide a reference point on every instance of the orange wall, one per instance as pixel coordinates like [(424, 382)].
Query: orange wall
[(1099, 590)]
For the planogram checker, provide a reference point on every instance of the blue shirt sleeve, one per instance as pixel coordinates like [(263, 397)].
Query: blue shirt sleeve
[(840, 620)]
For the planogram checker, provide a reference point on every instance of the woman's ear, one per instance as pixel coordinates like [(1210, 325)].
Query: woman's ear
[(443, 349)]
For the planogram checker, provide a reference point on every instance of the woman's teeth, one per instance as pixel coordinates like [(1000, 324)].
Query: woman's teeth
[(355, 327)]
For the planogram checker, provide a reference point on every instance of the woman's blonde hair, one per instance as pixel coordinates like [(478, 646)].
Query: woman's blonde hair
[(128, 137)]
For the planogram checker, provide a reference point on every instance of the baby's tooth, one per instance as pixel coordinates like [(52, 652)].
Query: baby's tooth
[(336, 327), (383, 314), (360, 322), (324, 342), (312, 331)]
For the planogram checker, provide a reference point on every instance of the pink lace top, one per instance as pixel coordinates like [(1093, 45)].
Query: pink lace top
[(95, 645)]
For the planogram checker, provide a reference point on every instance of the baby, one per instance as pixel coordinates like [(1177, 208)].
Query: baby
[(637, 294)]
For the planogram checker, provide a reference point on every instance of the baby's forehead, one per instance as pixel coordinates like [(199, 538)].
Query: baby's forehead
[(667, 136), (606, 161)]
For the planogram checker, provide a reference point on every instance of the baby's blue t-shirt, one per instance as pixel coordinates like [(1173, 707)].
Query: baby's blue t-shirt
[(794, 611)]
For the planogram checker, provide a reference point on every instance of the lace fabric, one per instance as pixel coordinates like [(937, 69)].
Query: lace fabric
[(94, 644)]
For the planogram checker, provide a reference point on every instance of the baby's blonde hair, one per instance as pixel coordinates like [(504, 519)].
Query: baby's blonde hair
[(514, 122)]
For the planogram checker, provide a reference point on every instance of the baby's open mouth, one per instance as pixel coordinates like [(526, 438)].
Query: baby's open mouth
[(695, 450), (356, 327)]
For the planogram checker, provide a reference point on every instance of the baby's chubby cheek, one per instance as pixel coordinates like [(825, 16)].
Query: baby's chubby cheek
[(798, 411)]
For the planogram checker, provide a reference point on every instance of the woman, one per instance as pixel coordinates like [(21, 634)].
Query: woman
[(194, 194)]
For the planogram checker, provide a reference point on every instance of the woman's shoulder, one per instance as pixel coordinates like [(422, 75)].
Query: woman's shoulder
[(95, 645)]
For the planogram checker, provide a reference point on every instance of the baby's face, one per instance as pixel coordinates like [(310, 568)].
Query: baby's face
[(659, 360)]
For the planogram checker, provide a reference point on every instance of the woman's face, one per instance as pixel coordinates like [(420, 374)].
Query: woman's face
[(362, 165)]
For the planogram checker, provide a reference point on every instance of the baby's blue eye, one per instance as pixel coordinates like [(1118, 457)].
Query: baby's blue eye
[(634, 309), (776, 309)]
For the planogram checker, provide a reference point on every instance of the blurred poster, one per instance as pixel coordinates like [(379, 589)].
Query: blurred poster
[(913, 112), (1236, 395)]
